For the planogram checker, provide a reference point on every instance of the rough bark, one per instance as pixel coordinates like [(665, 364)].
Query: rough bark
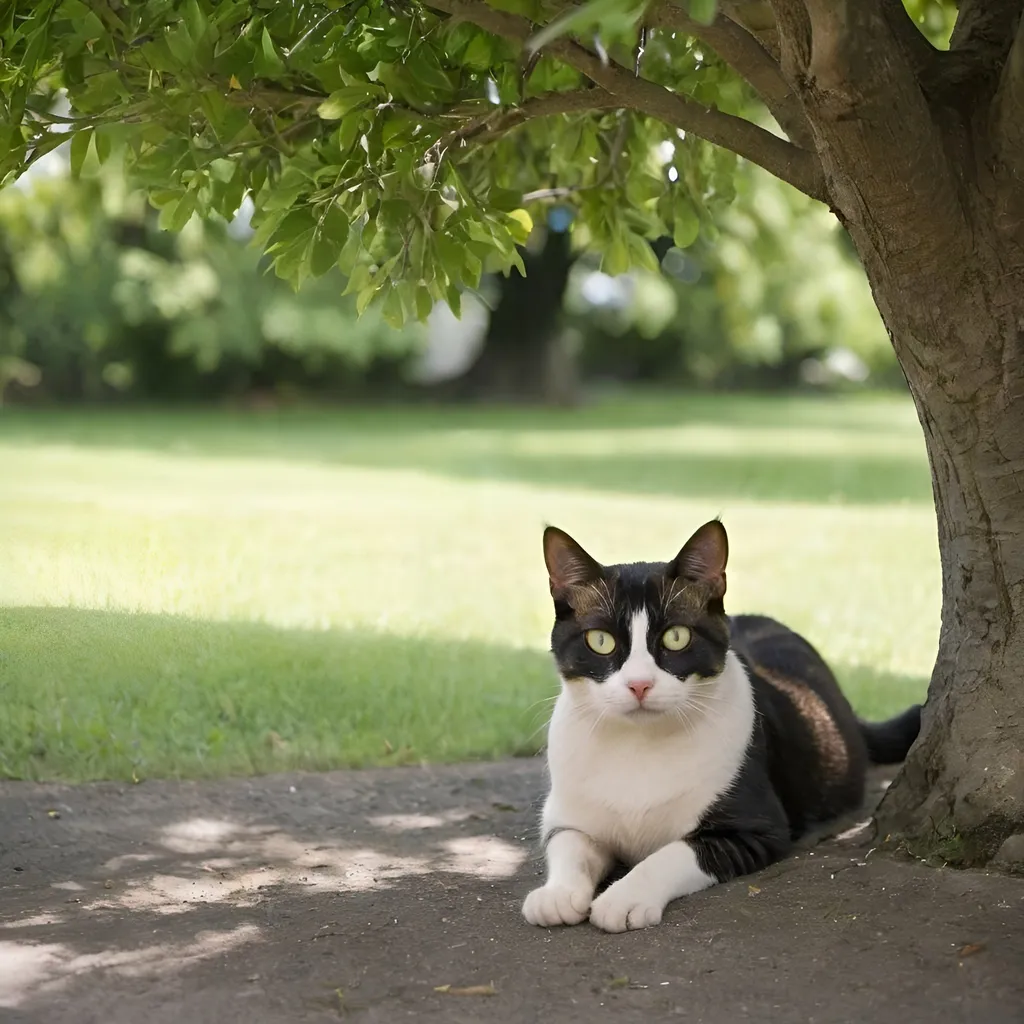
[(925, 215), (961, 793)]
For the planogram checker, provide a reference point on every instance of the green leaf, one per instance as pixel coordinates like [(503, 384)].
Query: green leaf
[(685, 222), (222, 169), (79, 150), (392, 311), (616, 258), (268, 61), (424, 303), (703, 11), (180, 43), (195, 20), (174, 216), (479, 53), (340, 102), (102, 145)]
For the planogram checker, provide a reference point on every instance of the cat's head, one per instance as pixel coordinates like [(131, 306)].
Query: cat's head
[(643, 640)]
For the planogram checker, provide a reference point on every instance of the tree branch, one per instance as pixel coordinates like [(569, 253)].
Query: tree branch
[(756, 17), (883, 151), (984, 30), (920, 54), (797, 166), (793, 28), (497, 122), (1008, 109), (749, 59)]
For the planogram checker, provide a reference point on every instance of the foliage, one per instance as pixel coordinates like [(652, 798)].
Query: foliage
[(781, 284), (97, 299), (196, 593), (374, 135)]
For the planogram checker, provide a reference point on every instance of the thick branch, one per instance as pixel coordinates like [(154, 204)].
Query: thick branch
[(797, 166), (1008, 128), (919, 53), (984, 30), (794, 38), (749, 59), (757, 18), (883, 151)]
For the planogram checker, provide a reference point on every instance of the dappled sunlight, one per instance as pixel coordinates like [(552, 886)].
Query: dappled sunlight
[(209, 865), (415, 822), (226, 861), (483, 856), (41, 969), (205, 860)]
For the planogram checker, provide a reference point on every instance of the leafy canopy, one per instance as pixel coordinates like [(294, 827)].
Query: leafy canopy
[(412, 143)]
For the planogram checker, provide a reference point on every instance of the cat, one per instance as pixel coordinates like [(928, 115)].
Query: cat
[(686, 747)]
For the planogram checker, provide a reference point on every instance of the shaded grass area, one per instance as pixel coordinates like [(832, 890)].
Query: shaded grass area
[(193, 593), (863, 450), (173, 696)]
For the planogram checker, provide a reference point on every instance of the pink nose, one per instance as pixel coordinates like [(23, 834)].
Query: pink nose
[(640, 688)]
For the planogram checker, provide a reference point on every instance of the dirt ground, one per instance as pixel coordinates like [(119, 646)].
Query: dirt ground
[(360, 895)]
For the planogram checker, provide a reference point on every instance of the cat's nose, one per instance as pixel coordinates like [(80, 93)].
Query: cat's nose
[(640, 688)]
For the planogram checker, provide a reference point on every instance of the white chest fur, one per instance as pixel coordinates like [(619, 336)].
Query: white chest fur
[(635, 786)]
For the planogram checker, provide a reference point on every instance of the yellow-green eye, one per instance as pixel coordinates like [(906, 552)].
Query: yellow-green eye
[(599, 641), (676, 639)]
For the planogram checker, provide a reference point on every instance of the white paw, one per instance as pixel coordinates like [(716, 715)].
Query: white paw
[(556, 904), (625, 907)]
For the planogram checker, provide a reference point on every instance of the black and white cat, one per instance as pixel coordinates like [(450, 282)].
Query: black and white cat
[(686, 746)]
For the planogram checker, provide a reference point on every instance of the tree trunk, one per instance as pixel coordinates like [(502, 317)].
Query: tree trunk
[(525, 355), (960, 795), (918, 175), (958, 330)]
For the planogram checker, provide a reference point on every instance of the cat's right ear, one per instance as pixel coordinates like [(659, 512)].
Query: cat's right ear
[(568, 564), (703, 558)]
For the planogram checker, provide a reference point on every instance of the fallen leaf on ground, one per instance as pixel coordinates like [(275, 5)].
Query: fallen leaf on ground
[(619, 982), (753, 890), (470, 990), (971, 948)]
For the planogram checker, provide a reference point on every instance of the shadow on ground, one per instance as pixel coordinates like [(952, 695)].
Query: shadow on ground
[(356, 896)]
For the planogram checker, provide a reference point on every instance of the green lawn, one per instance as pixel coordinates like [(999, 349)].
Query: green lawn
[(201, 593)]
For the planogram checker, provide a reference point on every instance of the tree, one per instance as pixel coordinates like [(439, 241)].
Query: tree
[(523, 355), (407, 139)]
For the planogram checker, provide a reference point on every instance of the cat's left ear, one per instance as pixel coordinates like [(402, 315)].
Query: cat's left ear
[(568, 564), (703, 557)]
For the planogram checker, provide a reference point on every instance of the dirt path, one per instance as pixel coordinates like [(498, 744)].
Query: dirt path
[(356, 895)]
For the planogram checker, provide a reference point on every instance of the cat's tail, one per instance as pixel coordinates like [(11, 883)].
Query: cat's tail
[(888, 742)]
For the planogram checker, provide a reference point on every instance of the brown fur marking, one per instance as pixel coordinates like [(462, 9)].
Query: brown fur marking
[(812, 709)]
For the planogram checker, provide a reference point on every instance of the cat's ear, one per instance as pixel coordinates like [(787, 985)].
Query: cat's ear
[(703, 557), (568, 564)]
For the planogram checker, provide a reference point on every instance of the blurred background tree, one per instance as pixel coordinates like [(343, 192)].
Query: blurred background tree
[(98, 303)]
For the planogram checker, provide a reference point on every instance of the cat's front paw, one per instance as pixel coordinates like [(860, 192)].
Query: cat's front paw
[(625, 907), (552, 905)]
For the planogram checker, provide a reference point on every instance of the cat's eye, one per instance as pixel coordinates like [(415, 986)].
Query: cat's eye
[(676, 639), (599, 641)]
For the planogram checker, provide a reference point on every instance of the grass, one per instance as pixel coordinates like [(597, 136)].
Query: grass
[(199, 593)]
